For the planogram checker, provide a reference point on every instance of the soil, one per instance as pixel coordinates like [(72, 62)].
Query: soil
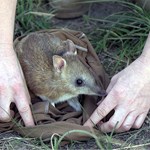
[(139, 139)]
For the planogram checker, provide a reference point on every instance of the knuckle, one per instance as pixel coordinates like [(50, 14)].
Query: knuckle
[(17, 86), (113, 124), (102, 112), (126, 127), (24, 109), (137, 126), (118, 92)]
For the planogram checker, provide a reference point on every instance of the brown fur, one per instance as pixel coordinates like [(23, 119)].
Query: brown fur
[(35, 55)]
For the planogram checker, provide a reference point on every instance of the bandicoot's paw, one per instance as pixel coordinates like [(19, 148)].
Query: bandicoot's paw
[(75, 104)]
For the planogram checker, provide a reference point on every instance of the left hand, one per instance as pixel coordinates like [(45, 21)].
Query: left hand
[(129, 95)]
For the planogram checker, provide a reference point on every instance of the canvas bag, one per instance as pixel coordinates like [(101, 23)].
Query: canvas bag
[(50, 120)]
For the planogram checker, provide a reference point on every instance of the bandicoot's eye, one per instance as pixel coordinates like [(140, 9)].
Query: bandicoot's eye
[(79, 82)]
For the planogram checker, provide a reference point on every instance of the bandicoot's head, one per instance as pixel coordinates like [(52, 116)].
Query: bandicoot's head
[(75, 76)]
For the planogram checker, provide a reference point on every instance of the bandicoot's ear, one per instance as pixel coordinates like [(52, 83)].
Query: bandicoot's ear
[(59, 63), (71, 48)]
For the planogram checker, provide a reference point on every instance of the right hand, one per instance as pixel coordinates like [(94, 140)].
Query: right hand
[(13, 87)]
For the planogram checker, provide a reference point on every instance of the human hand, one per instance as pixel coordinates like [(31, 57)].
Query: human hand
[(128, 94), (13, 87)]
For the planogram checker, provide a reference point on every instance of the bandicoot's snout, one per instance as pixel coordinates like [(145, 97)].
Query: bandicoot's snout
[(99, 91), (102, 93)]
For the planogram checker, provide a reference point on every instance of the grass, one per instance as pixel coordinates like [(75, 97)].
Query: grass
[(106, 142), (124, 34), (31, 16), (119, 37)]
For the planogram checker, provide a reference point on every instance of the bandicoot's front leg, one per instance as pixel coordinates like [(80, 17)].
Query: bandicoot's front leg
[(73, 102)]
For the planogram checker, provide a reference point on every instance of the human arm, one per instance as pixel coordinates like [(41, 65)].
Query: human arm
[(12, 84), (128, 94)]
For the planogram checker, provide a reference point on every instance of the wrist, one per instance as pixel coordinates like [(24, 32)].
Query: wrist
[(6, 50), (145, 56), (143, 64), (6, 44), (4, 47), (6, 38), (145, 59)]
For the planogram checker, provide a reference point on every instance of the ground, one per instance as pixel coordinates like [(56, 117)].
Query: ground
[(137, 139)]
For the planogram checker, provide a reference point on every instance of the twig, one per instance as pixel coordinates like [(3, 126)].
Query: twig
[(134, 146), (81, 48)]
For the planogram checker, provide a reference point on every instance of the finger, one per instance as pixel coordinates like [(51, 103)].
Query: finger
[(102, 110), (5, 100), (5, 112), (6, 97), (110, 86), (128, 122), (115, 121), (25, 112), (139, 121), (22, 103), (112, 83)]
